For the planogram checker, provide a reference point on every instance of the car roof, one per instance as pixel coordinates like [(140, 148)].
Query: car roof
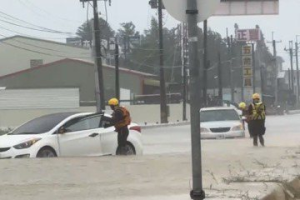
[(217, 108), (62, 114), (74, 114)]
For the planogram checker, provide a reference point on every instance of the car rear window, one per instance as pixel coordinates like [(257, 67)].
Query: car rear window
[(218, 115)]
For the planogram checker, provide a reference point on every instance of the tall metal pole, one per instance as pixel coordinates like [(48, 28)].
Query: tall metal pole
[(289, 72), (276, 71), (297, 73), (292, 67), (197, 192), (253, 67), (275, 68), (117, 84), (242, 72), (125, 50), (184, 47), (98, 59), (184, 87), (220, 82), (229, 43), (262, 82), (205, 63), (163, 103)]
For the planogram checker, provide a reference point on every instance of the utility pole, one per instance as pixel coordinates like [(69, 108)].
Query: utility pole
[(289, 72), (262, 83), (117, 84), (184, 85), (292, 66), (205, 63), (220, 82), (98, 60), (197, 192), (297, 71), (276, 71), (274, 42), (253, 68), (163, 103), (229, 44), (125, 49)]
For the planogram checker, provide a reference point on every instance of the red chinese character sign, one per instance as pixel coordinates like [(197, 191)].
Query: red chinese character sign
[(247, 35)]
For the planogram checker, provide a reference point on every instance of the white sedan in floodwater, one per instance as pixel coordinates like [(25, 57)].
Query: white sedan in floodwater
[(221, 123), (68, 134)]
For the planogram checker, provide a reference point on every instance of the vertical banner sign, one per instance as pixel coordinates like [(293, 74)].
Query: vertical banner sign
[(247, 66)]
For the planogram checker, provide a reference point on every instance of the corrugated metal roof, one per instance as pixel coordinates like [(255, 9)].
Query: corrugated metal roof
[(39, 99), (41, 40), (138, 73)]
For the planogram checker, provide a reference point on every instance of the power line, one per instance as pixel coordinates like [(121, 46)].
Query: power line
[(35, 29), (49, 13), (26, 35), (15, 22)]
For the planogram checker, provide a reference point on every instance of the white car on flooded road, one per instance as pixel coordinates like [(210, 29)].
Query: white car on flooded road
[(68, 134), (221, 123)]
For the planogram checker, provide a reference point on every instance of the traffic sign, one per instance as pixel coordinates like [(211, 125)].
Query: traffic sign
[(178, 9)]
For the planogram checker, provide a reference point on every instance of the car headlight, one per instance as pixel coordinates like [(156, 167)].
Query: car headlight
[(204, 130), (27, 144), (238, 128)]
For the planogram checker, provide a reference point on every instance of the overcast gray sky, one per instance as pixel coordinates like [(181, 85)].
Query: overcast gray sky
[(67, 15)]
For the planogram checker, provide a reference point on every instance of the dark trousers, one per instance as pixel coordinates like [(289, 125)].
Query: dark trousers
[(261, 140), (258, 130), (122, 137)]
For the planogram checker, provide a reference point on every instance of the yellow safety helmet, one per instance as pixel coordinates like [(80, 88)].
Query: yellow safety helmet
[(242, 105), (113, 102), (256, 96)]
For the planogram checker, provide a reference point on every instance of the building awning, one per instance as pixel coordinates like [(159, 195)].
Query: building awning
[(152, 82)]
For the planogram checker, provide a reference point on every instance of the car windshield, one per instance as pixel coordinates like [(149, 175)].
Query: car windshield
[(218, 115), (40, 125)]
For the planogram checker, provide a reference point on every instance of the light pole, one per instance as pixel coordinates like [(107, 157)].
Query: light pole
[(297, 69)]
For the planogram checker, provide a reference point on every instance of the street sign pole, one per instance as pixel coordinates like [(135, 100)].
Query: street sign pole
[(192, 12), (197, 192)]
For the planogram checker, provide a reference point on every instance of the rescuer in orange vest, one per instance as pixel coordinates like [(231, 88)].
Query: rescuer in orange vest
[(120, 119)]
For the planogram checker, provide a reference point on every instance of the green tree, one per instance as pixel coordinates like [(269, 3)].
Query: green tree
[(127, 29), (85, 31), (144, 57)]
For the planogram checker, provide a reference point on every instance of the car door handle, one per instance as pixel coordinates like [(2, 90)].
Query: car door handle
[(94, 135)]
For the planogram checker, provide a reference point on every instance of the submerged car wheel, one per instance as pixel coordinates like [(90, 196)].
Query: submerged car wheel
[(127, 150), (46, 152)]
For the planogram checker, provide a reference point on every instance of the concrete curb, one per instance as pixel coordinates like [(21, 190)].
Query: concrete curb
[(293, 112), (151, 126)]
